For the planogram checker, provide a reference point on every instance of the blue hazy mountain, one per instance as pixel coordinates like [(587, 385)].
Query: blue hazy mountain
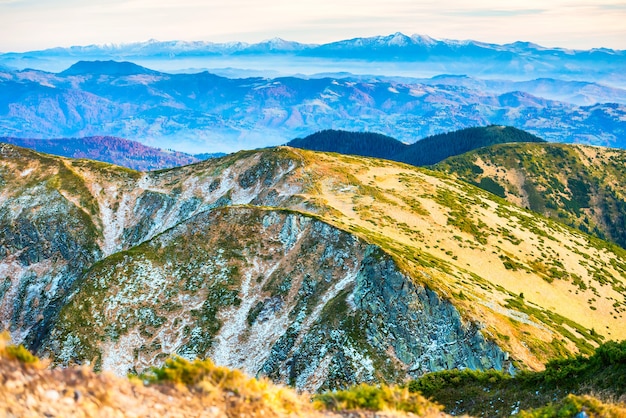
[(395, 54), (204, 112), (576, 92), (109, 67)]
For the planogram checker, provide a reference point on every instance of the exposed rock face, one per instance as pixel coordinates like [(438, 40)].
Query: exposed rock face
[(57, 218), (317, 270), (46, 241), (426, 331), (275, 293)]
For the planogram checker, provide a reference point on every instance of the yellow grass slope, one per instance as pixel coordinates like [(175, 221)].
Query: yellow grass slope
[(539, 288)]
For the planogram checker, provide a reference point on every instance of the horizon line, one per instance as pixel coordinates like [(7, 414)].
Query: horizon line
[(268, 40)]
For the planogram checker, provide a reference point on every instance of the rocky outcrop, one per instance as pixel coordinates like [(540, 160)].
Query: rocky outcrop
[(276, 293), (58, 217), (46, 242), (425, 331)]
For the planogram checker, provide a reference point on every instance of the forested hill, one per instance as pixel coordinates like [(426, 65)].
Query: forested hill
[(366, 144), (434, 149), (427, 151)]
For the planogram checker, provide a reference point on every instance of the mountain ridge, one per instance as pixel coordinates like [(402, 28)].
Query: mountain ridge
[(203, 112), (119, 151), (396, 39), (419, 230), (517, 60)]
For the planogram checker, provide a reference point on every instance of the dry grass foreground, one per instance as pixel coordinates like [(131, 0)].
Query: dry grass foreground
[(180, 389)]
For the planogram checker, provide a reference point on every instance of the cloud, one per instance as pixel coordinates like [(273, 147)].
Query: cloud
[(494, 12), (612, 7), (36, 24)]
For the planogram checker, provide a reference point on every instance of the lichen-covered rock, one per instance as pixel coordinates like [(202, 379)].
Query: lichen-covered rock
[(45, 244), (276, 293), (58, 217)]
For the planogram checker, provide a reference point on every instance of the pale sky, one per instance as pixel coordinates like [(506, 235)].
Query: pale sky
[(39, 24)]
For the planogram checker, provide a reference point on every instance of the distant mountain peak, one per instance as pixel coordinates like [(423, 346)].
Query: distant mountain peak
[(423, 39), (398, 39), (118, 68), (277, 41), (275, 45)]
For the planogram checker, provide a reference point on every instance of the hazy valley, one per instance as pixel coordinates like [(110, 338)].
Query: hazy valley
[(207, 113), (559, 95)]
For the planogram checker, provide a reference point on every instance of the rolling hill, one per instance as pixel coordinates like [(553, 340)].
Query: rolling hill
[(318, 270), (365, 144), (578, 185), (437, 148), (119, 151)]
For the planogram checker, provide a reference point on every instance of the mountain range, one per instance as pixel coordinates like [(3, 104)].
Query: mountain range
[(482, 267), (313, 269), (134, 155), (395, 54), (204, 112), (576, 92)]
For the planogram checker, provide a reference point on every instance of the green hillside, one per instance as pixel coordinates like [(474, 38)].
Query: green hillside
[(581, 186), (562, 389)]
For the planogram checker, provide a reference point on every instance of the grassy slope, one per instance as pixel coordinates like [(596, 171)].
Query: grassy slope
[(602, 375), (480, 252), (581, 186), (537, 287)]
